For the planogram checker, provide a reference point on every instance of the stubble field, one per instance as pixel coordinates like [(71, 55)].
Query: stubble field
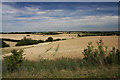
[(70, 48)]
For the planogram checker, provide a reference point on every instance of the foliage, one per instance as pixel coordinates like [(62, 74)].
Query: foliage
[(28, 41), (113, 57), (4, 44), (15, 60), (57, 39), (27, 35), (98, 56), (78, 35), (50, 39), (64, 39), (50, 33), (40, 41), (12, 40)]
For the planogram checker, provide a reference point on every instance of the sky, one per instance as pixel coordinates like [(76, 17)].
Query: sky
[(59, 16)]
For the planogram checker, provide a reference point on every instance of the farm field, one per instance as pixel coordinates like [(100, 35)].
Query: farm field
[(70, 48), (65, 56), (63, 40), (36, 37), (62, 57)]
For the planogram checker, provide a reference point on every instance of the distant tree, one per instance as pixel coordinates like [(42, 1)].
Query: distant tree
[(78, 35), (28, 35), (50, 39)]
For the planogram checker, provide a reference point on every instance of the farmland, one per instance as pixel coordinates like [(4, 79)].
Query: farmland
[(71, 48)]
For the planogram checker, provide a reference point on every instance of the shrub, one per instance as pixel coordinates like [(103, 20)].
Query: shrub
[(27, 35), (98, 56), (12, 40), (40, 41), (113, 57), (63, 39), (14, 61), (50, 39), (91, 55), (4, 44), (56, 39), (26, 41)]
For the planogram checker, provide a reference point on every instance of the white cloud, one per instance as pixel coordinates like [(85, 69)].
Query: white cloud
[(32, 8), (50, 23), (58, 10), (41, 12), (47, 20)]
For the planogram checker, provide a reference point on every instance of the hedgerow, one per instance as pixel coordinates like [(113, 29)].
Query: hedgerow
[(4, 44), (28, 41)]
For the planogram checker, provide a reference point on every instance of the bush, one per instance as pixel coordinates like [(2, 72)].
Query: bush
[(27, 35), (63, 39), (40, 41), (27, 41), (12, 40), (56, 39), (4, 44), (113, 57), (98, 56), (15, 60), (50, 39)]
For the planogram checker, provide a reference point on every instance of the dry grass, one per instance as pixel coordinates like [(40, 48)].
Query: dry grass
[(10, 43), (37, 37), (71, 48)]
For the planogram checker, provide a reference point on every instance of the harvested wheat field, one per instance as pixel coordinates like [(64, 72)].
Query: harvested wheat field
[(37, 37), (71, 48)]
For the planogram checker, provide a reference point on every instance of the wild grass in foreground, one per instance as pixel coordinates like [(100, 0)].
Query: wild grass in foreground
[(95, 64), (54, 69)]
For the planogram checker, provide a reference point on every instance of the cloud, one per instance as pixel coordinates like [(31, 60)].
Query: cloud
[(56, 24), (55, 17), (40, 12), (58, 10)]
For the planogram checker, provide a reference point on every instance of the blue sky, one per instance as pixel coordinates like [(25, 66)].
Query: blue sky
[(59, 16)]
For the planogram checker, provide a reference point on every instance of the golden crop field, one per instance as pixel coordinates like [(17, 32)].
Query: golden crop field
[(70, 48)]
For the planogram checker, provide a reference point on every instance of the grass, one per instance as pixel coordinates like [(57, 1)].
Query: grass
[(95, 64), (9, 49), (50, 69)]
